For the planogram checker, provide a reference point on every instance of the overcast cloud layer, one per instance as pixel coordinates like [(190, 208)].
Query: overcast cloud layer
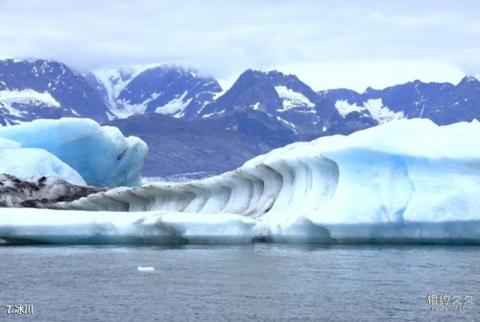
[(328, 44)]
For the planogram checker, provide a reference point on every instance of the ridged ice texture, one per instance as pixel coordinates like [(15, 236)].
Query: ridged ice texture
[(401, 172), (250, 191)]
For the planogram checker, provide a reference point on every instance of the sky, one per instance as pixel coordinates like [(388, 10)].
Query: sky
[(327, 44)]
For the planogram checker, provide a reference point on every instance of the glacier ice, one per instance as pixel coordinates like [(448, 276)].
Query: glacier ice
[(26, 225), (100, 154), (405, 181), (9, 144), (29, 163)]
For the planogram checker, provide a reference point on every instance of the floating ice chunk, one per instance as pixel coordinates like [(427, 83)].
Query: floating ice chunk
[(145, 269), (100, 154)]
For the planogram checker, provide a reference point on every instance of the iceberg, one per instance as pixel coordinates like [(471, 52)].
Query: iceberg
[(27, 226), (408, 181), (31, 163), (9, 144), (46, 226), (145, 268), (101, 155), (409, 172)]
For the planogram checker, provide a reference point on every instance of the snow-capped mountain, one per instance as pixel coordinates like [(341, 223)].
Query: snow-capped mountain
[(212, 146), (443, 103), (186, 115), (32, 89), (169, 90), (113, 81), (286, 99)]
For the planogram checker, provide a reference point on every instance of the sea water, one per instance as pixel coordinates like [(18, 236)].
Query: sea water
[(259, 282)]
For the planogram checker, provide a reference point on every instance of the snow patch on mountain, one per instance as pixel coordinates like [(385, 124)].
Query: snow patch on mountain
[(375, 107), (26, 96), (382, 113), (256, 106), (214, 114), (287, 123), (10, 110), (124, 109), (292, 99), (345, 108), (472, 78), (175, 107), (114, 81)]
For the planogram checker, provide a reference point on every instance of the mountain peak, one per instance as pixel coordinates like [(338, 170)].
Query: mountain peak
[(272, 74), (41, 88), (35, 62), (166, 89), (469, 79)]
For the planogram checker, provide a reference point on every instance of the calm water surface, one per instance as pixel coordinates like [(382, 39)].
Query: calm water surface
[(259, 282)]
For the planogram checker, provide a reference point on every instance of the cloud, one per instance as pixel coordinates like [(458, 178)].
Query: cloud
[(329, 44)]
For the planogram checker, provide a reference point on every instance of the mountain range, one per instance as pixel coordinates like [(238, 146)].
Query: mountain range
[(192, 125)]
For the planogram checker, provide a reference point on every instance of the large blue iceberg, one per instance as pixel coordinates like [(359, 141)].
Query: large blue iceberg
[(101, 155), (29, 163), (407, 181)]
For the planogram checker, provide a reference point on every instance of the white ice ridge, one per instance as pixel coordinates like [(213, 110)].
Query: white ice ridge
[(28, 226), (410, 174)]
